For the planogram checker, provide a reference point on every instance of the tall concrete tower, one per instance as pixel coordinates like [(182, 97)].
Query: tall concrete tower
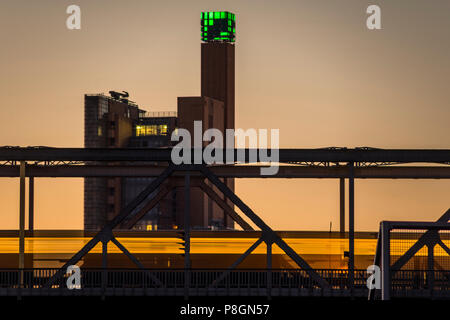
[(217, 60), (218, 33), (215, 107)]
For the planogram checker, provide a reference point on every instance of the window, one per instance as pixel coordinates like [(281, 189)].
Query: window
[(151, 130), (102, 107), (163, 129)]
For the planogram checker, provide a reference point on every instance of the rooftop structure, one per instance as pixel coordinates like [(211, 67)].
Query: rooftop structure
[(218, 26)]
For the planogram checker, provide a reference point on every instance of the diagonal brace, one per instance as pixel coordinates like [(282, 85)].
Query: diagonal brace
[(442, 244), (431, 237), (163, 191), (237, 262), (135, 261), (224, 205), (267, 231), (106, 230)]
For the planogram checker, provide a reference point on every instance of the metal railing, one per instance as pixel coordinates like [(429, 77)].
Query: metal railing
[(275, 282), (420, 283), (157, 114)]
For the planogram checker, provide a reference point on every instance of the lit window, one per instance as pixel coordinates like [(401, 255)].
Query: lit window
[(163, 129), (140, 131), (151, 130)]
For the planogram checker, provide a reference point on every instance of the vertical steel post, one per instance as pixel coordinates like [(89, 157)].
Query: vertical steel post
[(31, 203), (269, 269), (22, 224), (187, 219), (342, 205), (351, 226), (104, 254), (430, 267), (385, 261), (22, 217), (187, 233), (104, 266)]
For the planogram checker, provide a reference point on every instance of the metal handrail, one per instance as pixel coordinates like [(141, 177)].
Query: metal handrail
[(242, 280)]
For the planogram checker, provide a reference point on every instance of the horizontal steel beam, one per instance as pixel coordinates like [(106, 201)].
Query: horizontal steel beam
[(417, 225), (285, 155), (237, 171)]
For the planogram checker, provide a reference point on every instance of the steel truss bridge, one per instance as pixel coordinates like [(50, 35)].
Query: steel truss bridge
[(332, 163)]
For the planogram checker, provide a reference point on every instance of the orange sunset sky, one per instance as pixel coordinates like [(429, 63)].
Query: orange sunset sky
[(309, 68)]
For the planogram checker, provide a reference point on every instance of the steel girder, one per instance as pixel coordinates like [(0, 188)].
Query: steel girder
[(268, 235), (232, 171), (360, 156)]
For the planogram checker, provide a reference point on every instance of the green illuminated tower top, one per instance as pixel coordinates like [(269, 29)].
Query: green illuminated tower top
[(218, 26)]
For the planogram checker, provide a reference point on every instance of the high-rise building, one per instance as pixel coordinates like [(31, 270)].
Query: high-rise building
[(108, 123), (116, 122)]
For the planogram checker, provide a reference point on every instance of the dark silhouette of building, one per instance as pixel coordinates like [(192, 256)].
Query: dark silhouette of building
[(218, 72), (116, 122)]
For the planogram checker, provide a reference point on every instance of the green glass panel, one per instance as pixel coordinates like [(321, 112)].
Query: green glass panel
[(212, 30)]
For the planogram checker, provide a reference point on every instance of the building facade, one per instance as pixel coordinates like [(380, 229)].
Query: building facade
[(116, 122)]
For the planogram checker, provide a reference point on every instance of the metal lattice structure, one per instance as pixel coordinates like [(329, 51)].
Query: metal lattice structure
[(338, 163), (414, 258)]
